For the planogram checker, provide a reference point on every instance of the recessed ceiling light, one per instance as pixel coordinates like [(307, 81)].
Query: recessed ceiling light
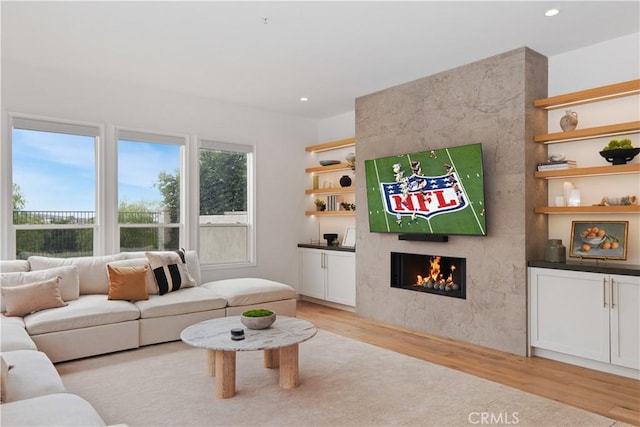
[(304, 99), (551, 12)]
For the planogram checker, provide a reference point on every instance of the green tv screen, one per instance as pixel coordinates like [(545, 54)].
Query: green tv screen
[(432, 192)]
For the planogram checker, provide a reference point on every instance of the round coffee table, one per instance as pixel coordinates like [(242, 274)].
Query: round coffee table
[(279, 342)]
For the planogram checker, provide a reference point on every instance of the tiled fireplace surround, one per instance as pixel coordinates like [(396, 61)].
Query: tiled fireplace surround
[(491, 102)]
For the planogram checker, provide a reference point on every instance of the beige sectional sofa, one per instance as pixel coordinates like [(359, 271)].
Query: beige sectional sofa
[(89, 323)]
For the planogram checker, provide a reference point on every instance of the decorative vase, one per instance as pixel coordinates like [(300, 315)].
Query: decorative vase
[(345, 181), (569, 121), (555, 251)]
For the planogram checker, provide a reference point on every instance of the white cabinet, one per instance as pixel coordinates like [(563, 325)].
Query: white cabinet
[(328, 275), (593, 316), (625, 320)]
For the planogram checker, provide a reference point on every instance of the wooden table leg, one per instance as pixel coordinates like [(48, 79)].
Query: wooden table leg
[(225, 374), (289, 366), (271, 358), (211, 363)]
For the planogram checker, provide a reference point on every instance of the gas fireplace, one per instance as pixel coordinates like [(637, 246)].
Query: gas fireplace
[(434, 274)]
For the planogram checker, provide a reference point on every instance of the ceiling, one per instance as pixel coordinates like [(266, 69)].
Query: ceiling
[(269, 54)]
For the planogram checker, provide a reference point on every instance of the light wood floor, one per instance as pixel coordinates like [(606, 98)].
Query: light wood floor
[(608, 395)]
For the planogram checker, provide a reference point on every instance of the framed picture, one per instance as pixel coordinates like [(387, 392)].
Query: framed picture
[(599, 239), (349, 239)]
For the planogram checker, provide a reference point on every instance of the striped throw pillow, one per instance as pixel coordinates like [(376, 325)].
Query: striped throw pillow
[(170, 270)]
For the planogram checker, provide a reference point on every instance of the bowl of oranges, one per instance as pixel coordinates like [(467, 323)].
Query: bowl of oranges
[(594, 237)]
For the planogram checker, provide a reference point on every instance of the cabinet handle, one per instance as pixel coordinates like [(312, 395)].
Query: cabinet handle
[(613, 286), (604, 292)]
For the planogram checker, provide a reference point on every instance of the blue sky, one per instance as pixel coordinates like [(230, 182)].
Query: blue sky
[(57, 171)]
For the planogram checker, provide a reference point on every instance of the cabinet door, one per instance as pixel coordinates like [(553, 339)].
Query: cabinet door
[(312, 272), (341, 277), (625, 321), (570, 312)]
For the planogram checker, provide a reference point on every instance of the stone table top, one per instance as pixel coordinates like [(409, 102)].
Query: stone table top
[(215, 334)]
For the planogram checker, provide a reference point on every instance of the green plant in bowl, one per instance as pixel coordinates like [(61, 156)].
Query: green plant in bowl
[(258, 318), (619, 152)]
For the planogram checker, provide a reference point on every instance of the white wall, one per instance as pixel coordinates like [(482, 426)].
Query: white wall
[(279, 142), (614, 61)]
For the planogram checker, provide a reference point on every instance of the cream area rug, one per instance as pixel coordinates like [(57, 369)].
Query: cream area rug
[(343, 382)]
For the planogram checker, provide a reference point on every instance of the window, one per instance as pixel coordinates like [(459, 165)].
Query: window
[(53, 187), (226, 230), (149, 196)]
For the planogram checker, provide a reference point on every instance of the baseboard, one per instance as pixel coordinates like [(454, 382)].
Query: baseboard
[(328, 303), (586, 363)]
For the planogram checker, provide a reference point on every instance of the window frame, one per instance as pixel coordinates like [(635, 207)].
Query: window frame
[(152, 137), (250, 150), (52, 125)]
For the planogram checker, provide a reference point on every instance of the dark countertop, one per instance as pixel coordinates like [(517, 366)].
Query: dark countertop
[(326, 248), (590, 267)]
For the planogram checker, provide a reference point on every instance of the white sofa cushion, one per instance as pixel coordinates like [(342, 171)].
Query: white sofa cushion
[(152, 288), (193, 263), (12, 266), (189, 300), (32, 375), (92, 270), (59, 409), (248, 291), (86, 311), (14, 336), (69, 283)]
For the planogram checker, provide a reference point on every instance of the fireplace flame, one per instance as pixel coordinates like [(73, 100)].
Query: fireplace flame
[(434, 272), (435, 279)]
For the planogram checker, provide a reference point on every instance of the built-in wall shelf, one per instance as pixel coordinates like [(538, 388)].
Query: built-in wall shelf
[(331, 168), (616, 90), (628, 168), (330, 213), (589, 133), (331, 190), (326, 146), (588, 209)]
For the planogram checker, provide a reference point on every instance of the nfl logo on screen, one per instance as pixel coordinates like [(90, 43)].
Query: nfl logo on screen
[(423, 196)]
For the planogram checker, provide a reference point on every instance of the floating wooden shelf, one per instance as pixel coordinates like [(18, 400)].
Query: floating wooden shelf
[(330, 168), (589, 133), (330, 213), (332, 190), (617, 90), (587, 209), (348, 142), (629, 168)]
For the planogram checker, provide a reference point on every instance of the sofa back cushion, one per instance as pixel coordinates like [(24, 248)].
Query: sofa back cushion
[(13, 266), (191, 257), (69, 282), (92, 270)]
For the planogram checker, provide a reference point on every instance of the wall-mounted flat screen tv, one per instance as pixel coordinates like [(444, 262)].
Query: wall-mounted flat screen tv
[(433, 192)]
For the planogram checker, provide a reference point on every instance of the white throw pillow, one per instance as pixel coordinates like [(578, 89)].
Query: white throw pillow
[(69, 282)]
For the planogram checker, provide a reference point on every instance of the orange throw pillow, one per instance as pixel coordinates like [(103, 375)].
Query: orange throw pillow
[(127, 283)]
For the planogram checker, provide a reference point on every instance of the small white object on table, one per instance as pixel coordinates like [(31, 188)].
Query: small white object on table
[(279, 342)]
